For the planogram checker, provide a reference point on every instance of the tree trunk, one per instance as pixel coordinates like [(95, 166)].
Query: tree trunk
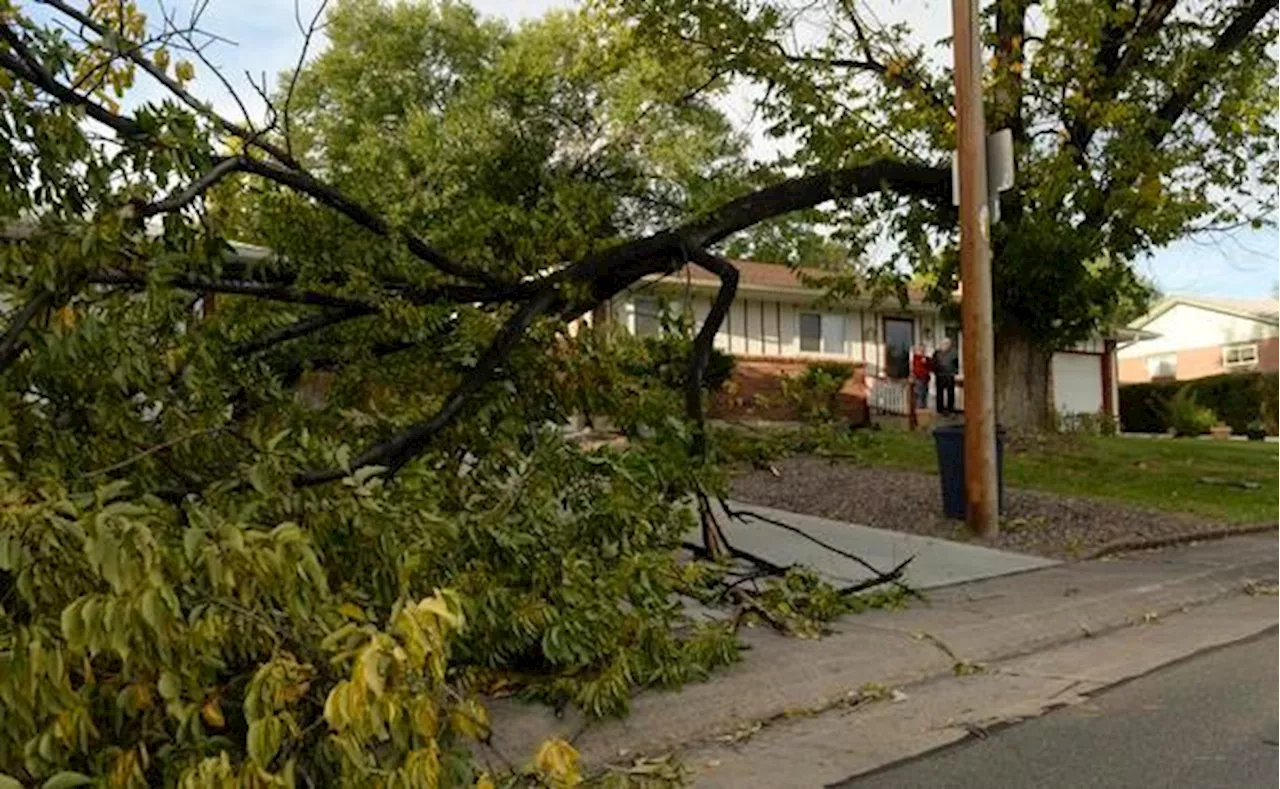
[(1022, 382)]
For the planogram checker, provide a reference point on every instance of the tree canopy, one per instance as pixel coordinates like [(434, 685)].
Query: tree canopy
[(1135, 123)]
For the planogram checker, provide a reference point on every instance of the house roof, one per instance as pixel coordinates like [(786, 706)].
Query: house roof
[(754, 275), (1263, 310)]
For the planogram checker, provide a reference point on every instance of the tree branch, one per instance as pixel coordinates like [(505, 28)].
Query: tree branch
[(1199, 76), (407, 444), (173, 86), (701, 353), (24, 65), (298, 329), (179, 200), (260, 290), (324, 194), (11, 344)]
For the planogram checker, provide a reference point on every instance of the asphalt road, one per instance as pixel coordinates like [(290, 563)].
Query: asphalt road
[(1208, 721)]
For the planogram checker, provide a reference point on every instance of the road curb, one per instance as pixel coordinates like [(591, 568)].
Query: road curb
[(981, 622)]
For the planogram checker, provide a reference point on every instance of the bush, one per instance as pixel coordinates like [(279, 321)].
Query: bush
[(1185, 416), (1099, 424), (815, 391), (1238, 399)]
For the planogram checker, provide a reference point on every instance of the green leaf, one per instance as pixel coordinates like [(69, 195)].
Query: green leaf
[(264, 739), (8, 782), (66, 780)]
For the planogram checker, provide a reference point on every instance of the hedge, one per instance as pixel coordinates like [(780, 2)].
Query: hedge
[(1237, 399)]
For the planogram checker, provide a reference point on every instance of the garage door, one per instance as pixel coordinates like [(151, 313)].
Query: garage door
[(1077, 383)]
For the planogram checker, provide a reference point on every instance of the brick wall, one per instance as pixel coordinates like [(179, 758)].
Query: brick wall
[(1203, 362), (754, 391)]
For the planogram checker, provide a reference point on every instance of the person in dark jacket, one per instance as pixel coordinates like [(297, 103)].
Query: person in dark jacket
[(946, 366)]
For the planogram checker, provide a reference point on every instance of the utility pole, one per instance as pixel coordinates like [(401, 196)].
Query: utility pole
[(980, 483)]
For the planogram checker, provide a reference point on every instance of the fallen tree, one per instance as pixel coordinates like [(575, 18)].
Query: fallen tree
[(209, 578)]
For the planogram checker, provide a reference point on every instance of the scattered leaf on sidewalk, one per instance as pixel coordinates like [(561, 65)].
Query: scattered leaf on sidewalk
[(897, 695), (713, 762), (1258, 588), (1150, 616), (964, 668)]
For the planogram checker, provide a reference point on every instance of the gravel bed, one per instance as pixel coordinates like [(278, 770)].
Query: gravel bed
[(1044, 524)]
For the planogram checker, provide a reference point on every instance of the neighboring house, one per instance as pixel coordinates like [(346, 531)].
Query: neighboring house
[(1199, 337), (778, 326)]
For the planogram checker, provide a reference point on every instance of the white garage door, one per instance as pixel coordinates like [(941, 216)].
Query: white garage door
[(1077, 383)]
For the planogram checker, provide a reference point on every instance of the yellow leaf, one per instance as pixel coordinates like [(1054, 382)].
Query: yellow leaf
[(67, 317), (352, 611), (212, 713), (559, 762), (425, 719), (184, 71), (161, 58), (485, 782), (470, 719)]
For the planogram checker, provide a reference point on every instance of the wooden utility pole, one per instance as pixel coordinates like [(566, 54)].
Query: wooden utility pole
[(980, 483)]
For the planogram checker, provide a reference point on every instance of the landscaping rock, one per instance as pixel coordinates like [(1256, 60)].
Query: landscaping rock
[(1044, 524)]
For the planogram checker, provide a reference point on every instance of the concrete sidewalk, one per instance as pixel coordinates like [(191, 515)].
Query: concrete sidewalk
[(936, 562), (982, 622)]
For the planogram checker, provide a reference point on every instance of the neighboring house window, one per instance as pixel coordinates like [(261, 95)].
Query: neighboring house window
[(648, 317), (810, 332), (1163, 365), (1240, 355)]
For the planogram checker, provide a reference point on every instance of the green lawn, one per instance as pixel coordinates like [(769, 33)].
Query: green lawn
[(1209, 478)]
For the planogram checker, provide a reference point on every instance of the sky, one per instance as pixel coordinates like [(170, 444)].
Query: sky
[(267, 39)]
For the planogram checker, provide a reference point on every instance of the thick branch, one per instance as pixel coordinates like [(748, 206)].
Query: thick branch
[(260, 290), (404, 446), (298, 329), (24, 65), (327, 195), (11, 344), (1118, 53), (1203, 72), (613, 270), (702, 343)]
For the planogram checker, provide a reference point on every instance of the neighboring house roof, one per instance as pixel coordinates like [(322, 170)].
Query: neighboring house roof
[(1262, 310), (755, 276)]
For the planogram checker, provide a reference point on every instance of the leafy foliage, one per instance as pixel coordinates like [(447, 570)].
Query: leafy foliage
[(815, 391), (1185, 416), (1238, 399)]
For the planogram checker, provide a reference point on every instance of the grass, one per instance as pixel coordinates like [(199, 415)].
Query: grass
[(1201, 477)]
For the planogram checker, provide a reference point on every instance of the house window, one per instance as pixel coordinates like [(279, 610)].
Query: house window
[(648, 317), (810, 332), (1163, 365), (1240, 355)]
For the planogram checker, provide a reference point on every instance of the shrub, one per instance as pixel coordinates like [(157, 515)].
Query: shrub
[(815, 392), (1237, 398), (1185, 416), (1099, 424)]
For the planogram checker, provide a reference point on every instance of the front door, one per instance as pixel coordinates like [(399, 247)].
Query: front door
[(899, 337)]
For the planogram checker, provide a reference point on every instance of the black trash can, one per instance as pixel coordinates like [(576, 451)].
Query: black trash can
[(949, 440)]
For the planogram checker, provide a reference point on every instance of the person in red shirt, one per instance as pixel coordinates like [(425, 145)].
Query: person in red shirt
[(921, 366)]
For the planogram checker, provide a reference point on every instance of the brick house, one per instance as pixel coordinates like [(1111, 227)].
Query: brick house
[(778, 325), (1196, 337)]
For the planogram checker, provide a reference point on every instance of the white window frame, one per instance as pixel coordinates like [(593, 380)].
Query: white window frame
[(1156, 361), (637, 313), (1251, 347), (800, 316)]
